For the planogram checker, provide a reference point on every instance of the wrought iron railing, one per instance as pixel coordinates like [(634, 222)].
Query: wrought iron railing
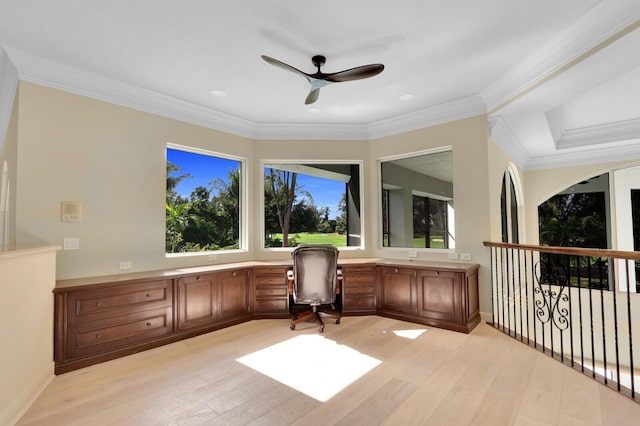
[(580, 306)]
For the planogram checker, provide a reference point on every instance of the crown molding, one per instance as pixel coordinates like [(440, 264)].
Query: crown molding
[(310, 131), (508, 141), (605, 22), (630, 150), (598, 134), (52, 74), (458, 109), (8, 87)]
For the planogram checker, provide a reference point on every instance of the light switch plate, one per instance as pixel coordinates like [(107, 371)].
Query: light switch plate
[(71, 243), (124, 265)]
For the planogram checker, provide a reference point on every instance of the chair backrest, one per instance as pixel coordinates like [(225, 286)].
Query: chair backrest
[(315, 274)]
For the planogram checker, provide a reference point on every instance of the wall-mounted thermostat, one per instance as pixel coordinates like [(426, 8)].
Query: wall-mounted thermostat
[(71, 211)]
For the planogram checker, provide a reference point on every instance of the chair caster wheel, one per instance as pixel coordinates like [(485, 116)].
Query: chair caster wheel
[(292, 326), (337, 321)]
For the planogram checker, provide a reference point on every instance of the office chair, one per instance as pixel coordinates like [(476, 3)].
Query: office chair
[(314, 282)]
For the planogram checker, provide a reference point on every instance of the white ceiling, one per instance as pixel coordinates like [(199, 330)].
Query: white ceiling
[(559, 79)]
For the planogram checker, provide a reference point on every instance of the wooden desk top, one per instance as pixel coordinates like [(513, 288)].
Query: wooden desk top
[(181, 272)]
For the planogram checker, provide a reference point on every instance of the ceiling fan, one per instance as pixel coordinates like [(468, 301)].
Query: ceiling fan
[(320, 79)]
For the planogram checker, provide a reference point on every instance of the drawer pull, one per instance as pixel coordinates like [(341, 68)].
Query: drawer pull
[(98, 336), (98, 303), (148, 323), (234, 274), (148, 294)]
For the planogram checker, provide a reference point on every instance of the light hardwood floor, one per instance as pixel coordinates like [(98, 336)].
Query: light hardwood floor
[(438, 378)]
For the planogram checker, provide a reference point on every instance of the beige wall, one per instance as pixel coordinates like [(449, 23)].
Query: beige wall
[(112, 160), (9, 159), (26, 328)]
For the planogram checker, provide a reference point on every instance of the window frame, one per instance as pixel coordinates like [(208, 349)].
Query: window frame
[(380, 188), (243, 240), (261, 206)]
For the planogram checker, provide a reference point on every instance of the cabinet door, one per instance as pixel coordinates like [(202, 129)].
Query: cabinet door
[(398, 290), (440, 295), (234, 297), (197, 301)]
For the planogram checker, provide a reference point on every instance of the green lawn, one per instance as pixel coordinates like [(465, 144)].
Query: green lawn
[(435, 242), (334, 239)]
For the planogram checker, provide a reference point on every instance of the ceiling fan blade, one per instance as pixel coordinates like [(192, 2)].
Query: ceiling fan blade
[(312, 96), (284, 66), (357, 73)]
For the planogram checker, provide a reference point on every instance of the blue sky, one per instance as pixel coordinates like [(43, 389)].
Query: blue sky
[(204, 169)]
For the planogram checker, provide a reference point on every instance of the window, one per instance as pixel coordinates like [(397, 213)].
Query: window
[(577, 217), (417, 200), (316, 203), (509, 210), (203, 201), (429, 223)]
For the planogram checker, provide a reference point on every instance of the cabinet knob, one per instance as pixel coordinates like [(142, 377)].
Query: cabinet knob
[(198, 277), (98, 303), (234, 274), (148, 295), (98, 335), (148, 324)]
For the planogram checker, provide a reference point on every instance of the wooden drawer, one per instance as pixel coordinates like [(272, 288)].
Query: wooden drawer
[(352, 269), (95, 304), (359, 290), (271, 291), (277, 270), (271, 279), (94, 337), (354, 280), (271, 305), (352, 303)]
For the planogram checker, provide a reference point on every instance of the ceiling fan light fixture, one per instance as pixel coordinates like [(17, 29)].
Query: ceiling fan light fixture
[(219, 93), (320, 79)]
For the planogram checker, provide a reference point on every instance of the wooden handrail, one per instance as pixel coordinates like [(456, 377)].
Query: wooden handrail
[(573, 251)]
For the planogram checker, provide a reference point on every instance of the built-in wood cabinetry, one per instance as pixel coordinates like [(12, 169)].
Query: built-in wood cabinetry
[(206, 299), (271, 291), (93, 321), (441, 296), (358, 289), (102, 318)]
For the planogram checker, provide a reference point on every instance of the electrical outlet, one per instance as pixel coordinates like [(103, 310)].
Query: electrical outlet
[(413, 255), (71, 243), (465, 256), (124, 265), (453, 256), (213, 256)]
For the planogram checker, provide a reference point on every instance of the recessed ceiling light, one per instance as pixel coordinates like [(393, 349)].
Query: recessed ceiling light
[(314, 110), (217, 92), (406, 97)]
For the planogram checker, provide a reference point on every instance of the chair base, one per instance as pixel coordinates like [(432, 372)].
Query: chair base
[(313, 316)]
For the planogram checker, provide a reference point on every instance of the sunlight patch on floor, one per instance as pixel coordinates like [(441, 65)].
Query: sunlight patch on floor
[(311, 364), (409, 334)]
